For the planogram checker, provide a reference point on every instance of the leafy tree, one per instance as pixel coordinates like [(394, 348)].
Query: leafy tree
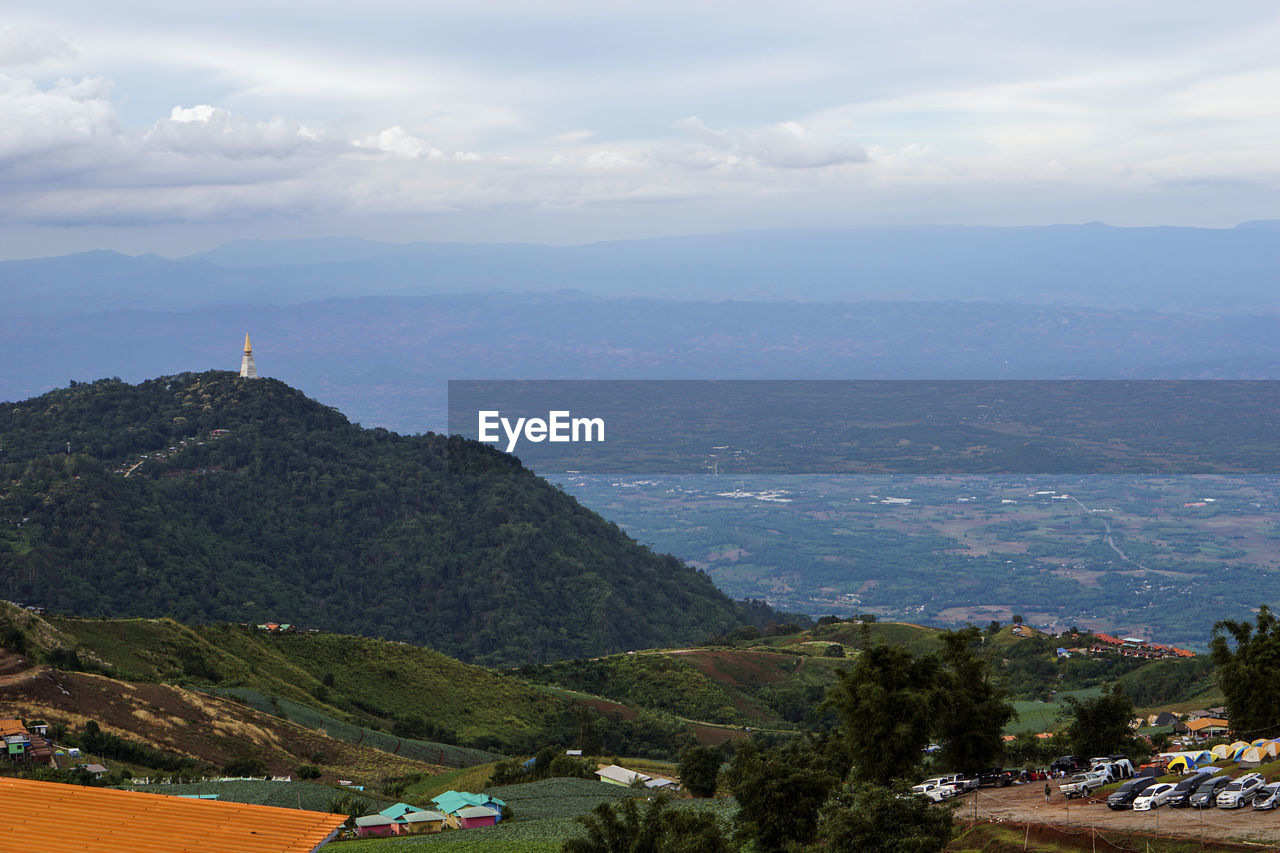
[(886, 703), (972, 710), (1247, 658), (699, 769), (308, 771), (245, 767), (1100, 726), (623, 828), (779, 792), (347, 803), (835, 650), (868, 818)]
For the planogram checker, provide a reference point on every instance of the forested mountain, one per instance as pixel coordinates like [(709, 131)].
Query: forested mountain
[(207, 497)]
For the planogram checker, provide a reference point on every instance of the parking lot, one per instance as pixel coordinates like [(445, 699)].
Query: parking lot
[(1025, 802)]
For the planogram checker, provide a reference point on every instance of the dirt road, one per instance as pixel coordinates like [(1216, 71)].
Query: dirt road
[(1022, 803)]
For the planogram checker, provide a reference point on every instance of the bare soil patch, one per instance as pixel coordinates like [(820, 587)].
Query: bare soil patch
[(1025, 804)]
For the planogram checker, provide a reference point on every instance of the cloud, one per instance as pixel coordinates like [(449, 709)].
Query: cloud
[(787, 145), (44, 123), (26, 46), (395, 141), (208, 131)]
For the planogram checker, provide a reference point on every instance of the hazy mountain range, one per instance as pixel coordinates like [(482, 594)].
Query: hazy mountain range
[(377, 329)]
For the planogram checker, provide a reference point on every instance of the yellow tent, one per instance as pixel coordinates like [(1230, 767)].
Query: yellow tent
[(1252, 755), (1185, 762), (1222, 751)]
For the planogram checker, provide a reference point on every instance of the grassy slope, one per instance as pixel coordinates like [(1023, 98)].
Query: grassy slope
[(372, 680)]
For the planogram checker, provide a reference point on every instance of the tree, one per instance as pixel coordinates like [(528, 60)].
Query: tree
[(886, 703), (245, 767), (624, 828), (349, 804), (972, 710), (1246, 658), (1100, 726), (1017, 618), (866, 818), (835, 650), (779, 792), (699, 769)]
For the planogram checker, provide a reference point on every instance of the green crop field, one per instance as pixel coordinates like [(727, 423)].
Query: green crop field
[(288, 795), (544, 818)]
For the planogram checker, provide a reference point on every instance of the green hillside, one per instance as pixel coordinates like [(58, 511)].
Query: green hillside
[(210, 498), (322, 680)]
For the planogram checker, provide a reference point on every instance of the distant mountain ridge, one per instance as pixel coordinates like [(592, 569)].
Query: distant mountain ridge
[(290, 513), (1181, 269), (385, 361)]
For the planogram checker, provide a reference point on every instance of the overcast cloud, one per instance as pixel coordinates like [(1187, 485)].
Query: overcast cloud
[(143, 128)]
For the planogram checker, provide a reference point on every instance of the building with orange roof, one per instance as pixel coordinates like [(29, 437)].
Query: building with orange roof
[(1207, 727), (54, 818)]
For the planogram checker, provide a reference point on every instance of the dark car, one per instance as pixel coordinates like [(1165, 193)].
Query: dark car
[(1206, 796), (1123, 797), (995, 778), (1069, 763), (1181, 795)]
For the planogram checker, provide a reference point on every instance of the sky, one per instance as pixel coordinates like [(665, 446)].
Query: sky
[(172, 128)]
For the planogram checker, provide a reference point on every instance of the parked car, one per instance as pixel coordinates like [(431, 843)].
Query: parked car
[(995, 778), (1123, 797), (1268, 797), (1069, 764), (1241, 791), (1181, 795), (1116, 768), (1153, 797), (937, 793), (960, 781), (1084, 784), (943, 782), (1206, 794)]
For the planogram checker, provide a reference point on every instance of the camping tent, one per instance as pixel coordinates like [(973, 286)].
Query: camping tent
[(1252, 755), (1222, 751), (1185, 762)]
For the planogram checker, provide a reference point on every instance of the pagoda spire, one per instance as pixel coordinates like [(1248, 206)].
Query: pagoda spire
[(248, 370)]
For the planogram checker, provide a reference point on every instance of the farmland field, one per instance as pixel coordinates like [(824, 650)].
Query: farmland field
[(1157, 557), (544, 814), (286, 795)]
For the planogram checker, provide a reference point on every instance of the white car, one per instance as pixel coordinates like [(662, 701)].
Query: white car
[(937, 793), (953, 782), (1153, 797), (1268, 797), (1241, 792)]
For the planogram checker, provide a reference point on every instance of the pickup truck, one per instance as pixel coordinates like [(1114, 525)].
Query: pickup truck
[(996, 777), (1083, 784)]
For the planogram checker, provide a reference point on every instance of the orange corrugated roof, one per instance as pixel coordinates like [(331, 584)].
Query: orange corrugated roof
[(11, 727), (54, 818), (1205, 722)]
